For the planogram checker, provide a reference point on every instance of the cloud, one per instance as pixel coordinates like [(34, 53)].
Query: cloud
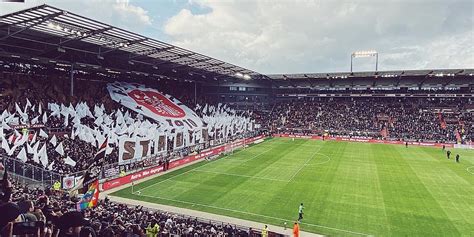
[(318, 36), (129, 12), (119, 13)]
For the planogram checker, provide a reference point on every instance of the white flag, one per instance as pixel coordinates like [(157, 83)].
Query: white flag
[(36, 153), (35, 120), (28, 104), (66, 120), (5, 126), (43, 156), (53, 140), (33, 140), (4, 115), (10, 152), (69, 161), (55, 108), (18, 110), (43, 134), (50, 167), (5, 145), (60, 149), (22, 155), (45, 118), (29, 149), (22, 140)]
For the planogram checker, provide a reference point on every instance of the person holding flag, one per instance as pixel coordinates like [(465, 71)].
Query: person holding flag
[(89, 184), (90, 198), (6, 189)]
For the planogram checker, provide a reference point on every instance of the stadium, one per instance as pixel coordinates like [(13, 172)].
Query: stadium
[(107, 132)]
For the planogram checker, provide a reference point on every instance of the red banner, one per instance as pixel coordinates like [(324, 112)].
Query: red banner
[(158, 169), (368, 140)]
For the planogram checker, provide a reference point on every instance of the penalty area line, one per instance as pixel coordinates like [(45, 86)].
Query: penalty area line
[(253, 214), (193, 169), (240, 175)]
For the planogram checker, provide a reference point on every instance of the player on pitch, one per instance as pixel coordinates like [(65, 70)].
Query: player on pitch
[(300, 212)]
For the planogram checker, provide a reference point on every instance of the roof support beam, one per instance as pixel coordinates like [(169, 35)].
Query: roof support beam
[(39, 21), (87, 34), (123, 46), (41, 18), (149, 52)]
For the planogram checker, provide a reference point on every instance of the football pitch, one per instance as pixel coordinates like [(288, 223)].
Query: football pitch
[(348, 189)]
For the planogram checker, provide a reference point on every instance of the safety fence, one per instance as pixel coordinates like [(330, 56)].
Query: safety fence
[(48, 178), (32, 172)]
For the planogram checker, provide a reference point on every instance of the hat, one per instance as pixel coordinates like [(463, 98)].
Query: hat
[(71, 219), (10, 211)]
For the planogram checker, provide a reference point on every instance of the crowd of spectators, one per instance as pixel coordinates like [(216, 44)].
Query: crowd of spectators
[(54, 214), (427, 119)]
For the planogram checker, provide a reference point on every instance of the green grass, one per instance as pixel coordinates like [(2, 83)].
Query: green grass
[(348, 189)]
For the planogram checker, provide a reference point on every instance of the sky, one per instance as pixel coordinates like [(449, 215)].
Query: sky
[(297, 36)]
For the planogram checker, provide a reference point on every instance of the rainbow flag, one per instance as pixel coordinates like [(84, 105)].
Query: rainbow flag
[(90, 198)]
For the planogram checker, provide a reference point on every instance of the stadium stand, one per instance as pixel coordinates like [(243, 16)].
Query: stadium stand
[(107, 218), (420, 119), (40, 99)]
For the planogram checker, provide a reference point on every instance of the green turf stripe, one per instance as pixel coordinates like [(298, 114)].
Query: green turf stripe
[(442, 179), (411, 208)]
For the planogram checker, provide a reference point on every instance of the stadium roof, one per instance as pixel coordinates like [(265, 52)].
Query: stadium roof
[(385, 74), (46, 33)]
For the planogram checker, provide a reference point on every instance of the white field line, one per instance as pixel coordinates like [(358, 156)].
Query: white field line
[(240, 163), (468, 169), (239, 175), (191, 171), (245, 149), (279, 165), (307, 161), (253, 157), (254, 214), (240, 149), (322, 162)]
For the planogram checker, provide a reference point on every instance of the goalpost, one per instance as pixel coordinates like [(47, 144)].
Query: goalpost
[(231, 146)]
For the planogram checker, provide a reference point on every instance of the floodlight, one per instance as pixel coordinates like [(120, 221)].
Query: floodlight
[(366, 53)]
